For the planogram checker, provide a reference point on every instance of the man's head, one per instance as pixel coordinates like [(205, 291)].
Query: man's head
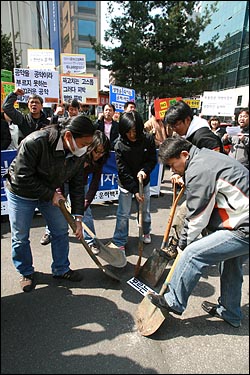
[(108, 111), (174, 152), (73, 107), (35, 105), (178, 117), (243, 118), (129, 106)]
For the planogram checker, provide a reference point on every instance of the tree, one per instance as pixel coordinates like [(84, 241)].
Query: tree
[(7, 61), (159, 54)]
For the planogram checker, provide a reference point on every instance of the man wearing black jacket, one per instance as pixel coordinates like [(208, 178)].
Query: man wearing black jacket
[(27, 123)]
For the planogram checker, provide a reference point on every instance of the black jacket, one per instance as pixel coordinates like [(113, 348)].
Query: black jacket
[(26, 123), (114, 131), (204, 137), (5, 133), (131, 157), (42, 165)]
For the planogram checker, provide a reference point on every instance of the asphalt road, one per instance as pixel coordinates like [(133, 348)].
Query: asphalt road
[(90, 327)]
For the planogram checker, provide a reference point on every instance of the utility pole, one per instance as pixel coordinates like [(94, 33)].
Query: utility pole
[(12, 33)]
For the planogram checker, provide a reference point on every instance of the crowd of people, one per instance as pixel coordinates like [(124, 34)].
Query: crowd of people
[(55, 156)]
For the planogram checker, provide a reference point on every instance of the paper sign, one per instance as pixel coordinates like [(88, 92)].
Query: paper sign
[(140, 286)]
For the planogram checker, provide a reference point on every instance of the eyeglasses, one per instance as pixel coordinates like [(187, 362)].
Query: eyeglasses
[(176, 125)]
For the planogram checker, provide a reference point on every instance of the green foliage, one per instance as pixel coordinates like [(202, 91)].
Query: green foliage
[(7, 61), (155, 48)]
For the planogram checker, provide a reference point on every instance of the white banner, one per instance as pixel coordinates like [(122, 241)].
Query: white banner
[(82, 88), (39, 82), (218, 104)]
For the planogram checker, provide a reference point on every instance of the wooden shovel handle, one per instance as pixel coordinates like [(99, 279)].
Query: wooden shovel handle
[(140, 224), (171, 216)]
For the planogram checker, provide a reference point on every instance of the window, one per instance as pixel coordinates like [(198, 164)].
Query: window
[(87, 7), (90, 57), (239, 100), (86, 28)]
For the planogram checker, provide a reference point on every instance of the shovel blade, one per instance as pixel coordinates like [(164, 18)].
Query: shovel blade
[(153, 268), (148, 317)]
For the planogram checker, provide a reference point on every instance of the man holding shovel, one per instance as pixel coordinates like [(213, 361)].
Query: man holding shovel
[(179, 117), (217, 195)]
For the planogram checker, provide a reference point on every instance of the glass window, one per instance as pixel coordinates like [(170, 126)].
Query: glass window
[(87, 7), (90, 57), (86, 28)]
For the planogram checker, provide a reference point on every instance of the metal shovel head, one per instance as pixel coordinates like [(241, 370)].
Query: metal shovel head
[(113, 255), (154, 267), (148, 317)]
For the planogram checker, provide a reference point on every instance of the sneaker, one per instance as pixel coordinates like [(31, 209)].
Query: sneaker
[(95, 250), (27, 282), (147, 238), (70, 275), (46, 239), (171, 251)]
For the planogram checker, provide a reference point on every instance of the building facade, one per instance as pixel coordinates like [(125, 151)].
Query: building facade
[(231, 23), (29, 22), (79, 21)]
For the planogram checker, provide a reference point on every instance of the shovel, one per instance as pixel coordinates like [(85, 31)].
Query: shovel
[(155, 265), (140, 245), (149, 317), (112, 256), (72, 224)]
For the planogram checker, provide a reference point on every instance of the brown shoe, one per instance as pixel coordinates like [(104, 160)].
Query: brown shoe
[(27, 282)]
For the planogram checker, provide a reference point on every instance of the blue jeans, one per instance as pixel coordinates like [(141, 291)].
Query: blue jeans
[(21, 212), (120, 237), (227, 248), (88, 220)]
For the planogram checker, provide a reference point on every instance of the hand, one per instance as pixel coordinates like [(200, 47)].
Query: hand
[(79, 232), (142, 174), (177, 179), (139, 198), (19, 92), (57, 197)]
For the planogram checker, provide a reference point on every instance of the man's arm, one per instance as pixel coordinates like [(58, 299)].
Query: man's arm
[(8, 107)]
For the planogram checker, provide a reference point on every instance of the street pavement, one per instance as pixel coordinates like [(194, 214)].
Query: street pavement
[(90, 327)]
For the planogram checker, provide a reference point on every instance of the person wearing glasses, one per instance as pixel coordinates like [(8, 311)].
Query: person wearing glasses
[(196, 130)]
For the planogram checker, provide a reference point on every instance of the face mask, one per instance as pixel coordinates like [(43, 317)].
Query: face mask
[(78, 151)]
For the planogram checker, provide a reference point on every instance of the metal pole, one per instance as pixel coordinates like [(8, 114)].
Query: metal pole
[(12, 33)]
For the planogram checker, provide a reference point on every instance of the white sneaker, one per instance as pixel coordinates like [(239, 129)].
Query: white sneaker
[(94, 249), (147, 238)]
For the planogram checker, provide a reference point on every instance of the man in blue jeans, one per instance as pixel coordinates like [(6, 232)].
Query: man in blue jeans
[(46, 159), (217, 195)]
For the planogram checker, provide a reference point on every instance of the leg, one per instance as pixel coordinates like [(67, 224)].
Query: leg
[(120, 237), (21, 212), (58, 227), (210, 250), (146, 210)]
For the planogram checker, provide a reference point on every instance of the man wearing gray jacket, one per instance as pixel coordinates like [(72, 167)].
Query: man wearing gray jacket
[(217, 195)]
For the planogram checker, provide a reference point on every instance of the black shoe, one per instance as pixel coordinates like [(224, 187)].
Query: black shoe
[(159, 301), (46, 239), (70, 275), (211, 309), (27, 282)]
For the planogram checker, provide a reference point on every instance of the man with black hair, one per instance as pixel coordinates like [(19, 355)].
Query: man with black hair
[(217, 195), (27, 123)]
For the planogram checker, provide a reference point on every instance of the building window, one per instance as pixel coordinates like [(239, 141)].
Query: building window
[(87, 7), (86, 28), (90, 57), (239, 100)]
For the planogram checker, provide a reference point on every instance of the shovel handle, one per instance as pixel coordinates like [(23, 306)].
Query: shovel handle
[(69, 218), (171, 216), (169, 276), (140, 225)]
